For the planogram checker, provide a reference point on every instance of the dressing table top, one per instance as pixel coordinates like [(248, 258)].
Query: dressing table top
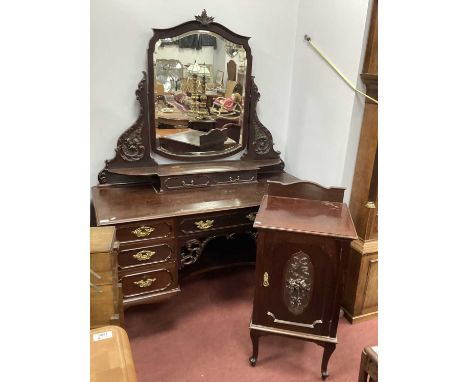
[(126, 203), (306, 216)]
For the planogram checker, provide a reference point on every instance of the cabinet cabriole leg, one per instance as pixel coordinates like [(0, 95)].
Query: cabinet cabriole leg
[(327, 352), (254, 337)]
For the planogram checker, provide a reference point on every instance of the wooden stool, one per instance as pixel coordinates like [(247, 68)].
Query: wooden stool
[(369, 365)]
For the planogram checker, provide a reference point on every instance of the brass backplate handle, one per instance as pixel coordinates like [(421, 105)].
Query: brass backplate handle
[(144, 255), (143, 231), (144, 283), (265, 279), (204, 224)]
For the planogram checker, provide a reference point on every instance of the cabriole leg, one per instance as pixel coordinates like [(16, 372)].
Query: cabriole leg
[(327, 352), (254, 336)]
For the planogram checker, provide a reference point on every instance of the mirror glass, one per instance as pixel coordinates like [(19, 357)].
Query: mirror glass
[(199, 92)]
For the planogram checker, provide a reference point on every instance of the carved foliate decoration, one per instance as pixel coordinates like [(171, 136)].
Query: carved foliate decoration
[(130, 144), (102, 176), (203, 18), (193, 250), (194, 247), (262, 142), (298, 282)]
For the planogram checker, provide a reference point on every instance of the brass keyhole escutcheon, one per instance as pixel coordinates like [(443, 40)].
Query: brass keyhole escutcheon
[(265, 279)]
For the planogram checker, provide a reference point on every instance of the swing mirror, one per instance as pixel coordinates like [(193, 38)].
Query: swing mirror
[(199, 83)]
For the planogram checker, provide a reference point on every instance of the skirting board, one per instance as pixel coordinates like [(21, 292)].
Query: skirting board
[(357, 319)]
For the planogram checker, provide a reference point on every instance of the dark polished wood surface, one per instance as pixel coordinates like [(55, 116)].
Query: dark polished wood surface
[(127, 203), (116, 205), (198, 168), (321, 218)]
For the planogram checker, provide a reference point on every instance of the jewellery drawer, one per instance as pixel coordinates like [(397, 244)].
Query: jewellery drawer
[(185, 181), (211, 222), (161, 279), (235, 177), (154, 229), (145, 255)]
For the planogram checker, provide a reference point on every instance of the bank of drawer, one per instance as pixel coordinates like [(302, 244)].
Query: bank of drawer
[(209, 222), (144, 255), (186, 181), (161, 279), (235, 177), (153, 229)]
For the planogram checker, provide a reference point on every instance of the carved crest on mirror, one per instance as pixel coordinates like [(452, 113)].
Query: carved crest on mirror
[(197, 102)]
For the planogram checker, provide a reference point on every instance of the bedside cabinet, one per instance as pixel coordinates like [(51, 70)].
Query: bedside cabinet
[(302, 247)]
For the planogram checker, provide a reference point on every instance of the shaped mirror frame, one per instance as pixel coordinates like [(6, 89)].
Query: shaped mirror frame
[(201, 23)]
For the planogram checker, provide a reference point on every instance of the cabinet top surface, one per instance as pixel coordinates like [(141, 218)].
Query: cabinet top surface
[(313, 217), (101, 239)]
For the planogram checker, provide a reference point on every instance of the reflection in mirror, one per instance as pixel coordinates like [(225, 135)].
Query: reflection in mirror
[(199, 92)]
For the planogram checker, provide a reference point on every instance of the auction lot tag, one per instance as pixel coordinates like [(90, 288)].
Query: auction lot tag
[(102, 336)]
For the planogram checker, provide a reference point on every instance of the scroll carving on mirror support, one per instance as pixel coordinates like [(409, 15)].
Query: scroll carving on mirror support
[(260, 144), (133, 144)]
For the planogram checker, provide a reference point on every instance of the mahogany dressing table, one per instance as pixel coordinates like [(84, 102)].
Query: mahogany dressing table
[(166, 214)]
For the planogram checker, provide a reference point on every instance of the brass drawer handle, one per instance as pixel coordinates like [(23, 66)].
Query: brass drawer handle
[(204, 224), (143, 231), (144, 283), (236, 179), (144, 255), (265, 280), (251, 216)]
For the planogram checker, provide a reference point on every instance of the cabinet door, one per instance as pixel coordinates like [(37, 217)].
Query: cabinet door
[(297, 282)]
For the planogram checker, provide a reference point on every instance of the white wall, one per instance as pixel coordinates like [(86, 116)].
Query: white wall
[(303, 102), (324, 122), (120, 31)]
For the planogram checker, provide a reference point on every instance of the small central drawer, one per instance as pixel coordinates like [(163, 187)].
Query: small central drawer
[(155, 229), (209, 222), (154, 254), (158, 280), (186, 181)]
